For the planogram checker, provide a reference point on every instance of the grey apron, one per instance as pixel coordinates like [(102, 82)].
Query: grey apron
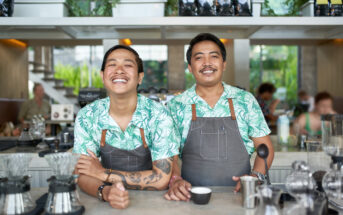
[(114, 158), (214, 151)]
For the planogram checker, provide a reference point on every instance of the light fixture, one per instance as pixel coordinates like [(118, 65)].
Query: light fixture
[(14, 42)]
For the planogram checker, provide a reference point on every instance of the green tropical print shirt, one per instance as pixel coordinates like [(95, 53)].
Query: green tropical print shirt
[(250, 120), (161, 135)]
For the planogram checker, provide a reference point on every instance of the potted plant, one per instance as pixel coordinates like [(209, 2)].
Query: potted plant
[(40, 8), (138, 8), (89, 7)]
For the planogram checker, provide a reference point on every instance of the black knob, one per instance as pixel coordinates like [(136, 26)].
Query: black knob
[(262, 151)]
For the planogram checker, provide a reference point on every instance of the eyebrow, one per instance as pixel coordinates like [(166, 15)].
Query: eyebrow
[(199, 53), (113, 59)]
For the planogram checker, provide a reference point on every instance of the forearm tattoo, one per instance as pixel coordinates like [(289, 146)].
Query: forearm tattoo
[(164, 165), (135, 178)]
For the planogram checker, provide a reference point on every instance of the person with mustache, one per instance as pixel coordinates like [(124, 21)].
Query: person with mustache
[(220, 125), (134, 136)]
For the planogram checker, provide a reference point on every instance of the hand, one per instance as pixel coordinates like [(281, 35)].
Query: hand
[(116, 195), (238, 185), (90, 165), (179, 190)]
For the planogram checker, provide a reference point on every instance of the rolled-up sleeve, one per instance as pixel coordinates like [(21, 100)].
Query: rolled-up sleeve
[(257, 125), (82, 133)]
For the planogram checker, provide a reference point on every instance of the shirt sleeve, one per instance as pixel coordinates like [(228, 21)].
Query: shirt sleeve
[(83, 139), (164, 135), (257, 125)]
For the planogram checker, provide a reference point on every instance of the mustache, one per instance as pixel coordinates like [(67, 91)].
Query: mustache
[(208, 68)]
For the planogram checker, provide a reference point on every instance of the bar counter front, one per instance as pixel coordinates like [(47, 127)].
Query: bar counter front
[(223, 201)]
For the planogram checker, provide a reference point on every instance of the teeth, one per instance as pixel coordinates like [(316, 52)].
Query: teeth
[(119, 80), (208, 71)]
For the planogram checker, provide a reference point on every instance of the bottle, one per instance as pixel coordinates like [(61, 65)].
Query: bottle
[(283, 129)]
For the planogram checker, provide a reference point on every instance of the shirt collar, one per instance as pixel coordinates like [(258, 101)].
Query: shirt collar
[(107, 122), (229, 92)]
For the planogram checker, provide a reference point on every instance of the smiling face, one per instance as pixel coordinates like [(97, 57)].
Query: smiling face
[(39, 92), (120, 75), (207, 63)]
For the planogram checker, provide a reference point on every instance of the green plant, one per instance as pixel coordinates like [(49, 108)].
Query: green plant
[(171, 8), (279, 66), (77, 77), (282, 7), (90, 7)]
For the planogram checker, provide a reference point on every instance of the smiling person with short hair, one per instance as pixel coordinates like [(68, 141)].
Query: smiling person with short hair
[(220, 125), (134, 136)]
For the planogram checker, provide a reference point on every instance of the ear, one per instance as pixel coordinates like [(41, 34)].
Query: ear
[(102, 76), (140, 77), (190, 69)]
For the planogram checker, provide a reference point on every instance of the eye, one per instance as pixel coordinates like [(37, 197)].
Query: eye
[(128, 65), (111, 65), (215, 56)]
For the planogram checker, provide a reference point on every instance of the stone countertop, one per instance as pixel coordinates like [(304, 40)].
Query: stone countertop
[(223, 201)]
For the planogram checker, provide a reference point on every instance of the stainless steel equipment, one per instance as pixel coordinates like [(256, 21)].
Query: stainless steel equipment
[(15, 190), (332, 139), (63, 197)]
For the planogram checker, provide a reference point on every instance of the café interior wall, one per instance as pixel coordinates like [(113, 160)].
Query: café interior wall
[(308, 69), (13, 71), (330, 68)]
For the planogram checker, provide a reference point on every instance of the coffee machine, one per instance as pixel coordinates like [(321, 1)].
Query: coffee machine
[(332, 140), (15, 195), (62, 197)]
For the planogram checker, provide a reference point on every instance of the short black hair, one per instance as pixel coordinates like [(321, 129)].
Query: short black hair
[(322, 96), (138, 59), (266, 87), (205, 37)]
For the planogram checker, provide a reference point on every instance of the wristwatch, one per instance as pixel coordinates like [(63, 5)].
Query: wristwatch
[(259, 175), (99, 194)]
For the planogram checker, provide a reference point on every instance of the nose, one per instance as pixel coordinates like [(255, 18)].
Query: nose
[(207, 61), (119, 69)]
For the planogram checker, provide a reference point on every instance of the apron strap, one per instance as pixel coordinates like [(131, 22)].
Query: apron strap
[(143, 137), (103, 138), (194, 113), (232, 110)]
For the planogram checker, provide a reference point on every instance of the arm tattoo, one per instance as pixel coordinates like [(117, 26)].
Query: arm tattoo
[(135, 177), (153, 178), (123, 179), (164, 164)]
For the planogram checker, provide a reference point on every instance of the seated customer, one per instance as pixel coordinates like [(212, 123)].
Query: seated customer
[(265, 94), (36, 106), (310, 123), (134, 136)]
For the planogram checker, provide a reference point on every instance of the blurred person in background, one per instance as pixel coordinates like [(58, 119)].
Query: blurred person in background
[(309, 123), (265, 94), (36, 106)]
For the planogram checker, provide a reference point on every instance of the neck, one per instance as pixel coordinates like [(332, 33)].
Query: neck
[(209, 91), (123, 105), (38, 100)]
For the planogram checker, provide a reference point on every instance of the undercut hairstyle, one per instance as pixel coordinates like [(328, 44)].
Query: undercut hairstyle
[(137, 58), (205, 37), (322, 96), (266, 87)]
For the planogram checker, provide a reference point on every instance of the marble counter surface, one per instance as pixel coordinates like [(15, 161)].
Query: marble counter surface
[(223, 201)]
